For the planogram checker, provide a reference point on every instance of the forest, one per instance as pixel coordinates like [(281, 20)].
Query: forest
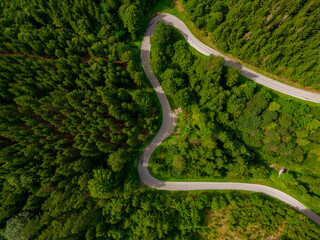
[(76, 111), (231, 128), (280, 37)]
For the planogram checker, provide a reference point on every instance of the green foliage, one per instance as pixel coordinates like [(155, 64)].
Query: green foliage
[(273, 106), (279, 37), (179, 162), (232, 76), (101, 184), (131, 16), (214, 21), (313, 125), (75, 111), (117, 160), (15, 226), (231, 128)]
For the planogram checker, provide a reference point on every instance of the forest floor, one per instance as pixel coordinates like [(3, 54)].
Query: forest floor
[(24, 55), (86, 58)]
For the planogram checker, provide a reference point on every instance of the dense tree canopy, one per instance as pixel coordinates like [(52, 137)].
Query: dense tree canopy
[(75, 112), (281, 37), (231, 128)]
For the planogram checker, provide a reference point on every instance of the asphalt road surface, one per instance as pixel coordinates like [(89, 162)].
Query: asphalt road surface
[(169, 120)]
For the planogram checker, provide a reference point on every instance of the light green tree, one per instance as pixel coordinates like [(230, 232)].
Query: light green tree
[(15, 226), (179, 162), (101, 184), (131, 17), (117, 160)]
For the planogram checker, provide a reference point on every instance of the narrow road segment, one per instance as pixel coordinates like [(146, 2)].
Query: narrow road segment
[(169, 120)]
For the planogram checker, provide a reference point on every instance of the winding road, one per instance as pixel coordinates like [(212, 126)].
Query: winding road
[(169, 120)]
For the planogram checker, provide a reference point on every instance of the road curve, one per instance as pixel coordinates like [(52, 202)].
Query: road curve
[(169, 120)]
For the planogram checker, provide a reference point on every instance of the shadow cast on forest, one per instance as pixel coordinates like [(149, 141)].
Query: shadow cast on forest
[(248, 74)]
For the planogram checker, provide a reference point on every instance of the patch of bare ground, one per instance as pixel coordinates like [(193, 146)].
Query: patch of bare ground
[(278, 234), (86, 58), (178, 110), (247, 36), (285, 138), (273, 148), (265, 59), (276, 167), (50, 188), (217, 225), (178, 5), (176, 135), (25, 56), (253, 133), (63, 135), (284, 18), (123, 65), (195, 142), (143, 136), (269, 17)]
